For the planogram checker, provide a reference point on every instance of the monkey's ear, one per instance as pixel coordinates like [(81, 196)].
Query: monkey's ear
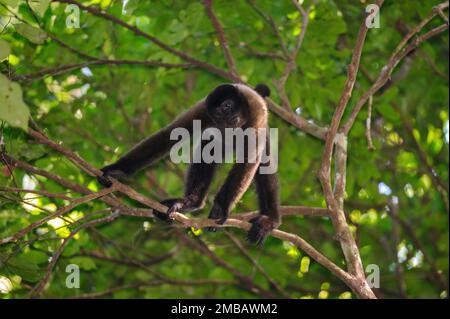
[(221, 93), (262, 90)]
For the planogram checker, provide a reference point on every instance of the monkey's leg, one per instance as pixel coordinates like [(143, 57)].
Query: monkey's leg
[(153, 147), (267, 189), (237, 182), (144, 153), (198, 180)]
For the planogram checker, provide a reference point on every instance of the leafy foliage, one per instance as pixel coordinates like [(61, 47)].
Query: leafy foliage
[(101, 110)]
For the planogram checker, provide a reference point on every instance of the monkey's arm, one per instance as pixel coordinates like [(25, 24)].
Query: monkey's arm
[(237, 182), (267, 189), (198, 180), (154, 146)]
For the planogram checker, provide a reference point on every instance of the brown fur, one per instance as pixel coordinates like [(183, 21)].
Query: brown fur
[(253, 112)]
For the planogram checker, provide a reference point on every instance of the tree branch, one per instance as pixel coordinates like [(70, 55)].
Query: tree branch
[(291, 64), (222, 39), (335, 204), (269, 20), (353, 282), (201, 64), (38, 289), (386, 71), (70, 67)]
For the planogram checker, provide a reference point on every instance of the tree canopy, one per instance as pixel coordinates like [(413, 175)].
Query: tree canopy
[(361, 107)]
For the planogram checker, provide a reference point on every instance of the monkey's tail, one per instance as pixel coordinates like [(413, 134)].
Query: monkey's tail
[(262, 90)]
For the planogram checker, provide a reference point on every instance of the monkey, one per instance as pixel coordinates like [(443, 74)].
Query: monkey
[(227, 106)]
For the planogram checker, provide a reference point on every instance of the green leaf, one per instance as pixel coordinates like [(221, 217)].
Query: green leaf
[(5, 50), (27, 151), (407, 161), (39, 6), (130, 6), (33, 34), (24, 268), (11, 3), (12, 108), (35, 257), (84, 263), (304, 264)]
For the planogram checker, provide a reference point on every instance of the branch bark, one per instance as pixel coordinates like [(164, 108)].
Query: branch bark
[(335, 204), (70, 67), (347, 278), (386, 72), (222, 39)]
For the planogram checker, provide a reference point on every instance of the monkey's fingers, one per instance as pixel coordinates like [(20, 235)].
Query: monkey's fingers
[(218, 215), (219, 221), (162, 216), (176, 207), (261, 228), (222, 220), (211, 229), (256, 235), (104, 181)]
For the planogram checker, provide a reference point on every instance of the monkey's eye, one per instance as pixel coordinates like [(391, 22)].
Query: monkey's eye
[(227, 105)]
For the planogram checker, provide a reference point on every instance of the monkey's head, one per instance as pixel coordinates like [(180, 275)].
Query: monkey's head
[(227, 106)]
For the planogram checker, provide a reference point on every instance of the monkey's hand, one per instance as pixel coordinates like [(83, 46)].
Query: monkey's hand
[(179, 205), (110, 171), (219, 213), (174, 205), (262, 225)]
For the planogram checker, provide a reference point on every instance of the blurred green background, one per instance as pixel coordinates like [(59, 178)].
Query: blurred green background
[(100, 111)]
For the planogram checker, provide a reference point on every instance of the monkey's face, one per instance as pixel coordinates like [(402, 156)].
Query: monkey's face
[(227, 113), (226, 106)]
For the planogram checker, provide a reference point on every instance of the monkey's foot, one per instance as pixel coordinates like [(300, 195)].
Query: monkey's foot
[(105, 180), (217, 213), (162, 217), (175, 205), (262, 225)]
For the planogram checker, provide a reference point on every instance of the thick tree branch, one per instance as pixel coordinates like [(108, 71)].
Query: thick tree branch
[(353, 282), (335, 204)]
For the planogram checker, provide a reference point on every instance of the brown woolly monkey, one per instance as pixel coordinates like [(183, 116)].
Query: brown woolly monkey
[(227, 106)]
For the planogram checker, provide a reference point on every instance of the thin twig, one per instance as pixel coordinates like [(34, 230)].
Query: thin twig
[(222, 39), (291, 64), (38, 289), (270, 21), (58, 213), (201, 64), (370, 145), (386, 71), (70, 67)]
